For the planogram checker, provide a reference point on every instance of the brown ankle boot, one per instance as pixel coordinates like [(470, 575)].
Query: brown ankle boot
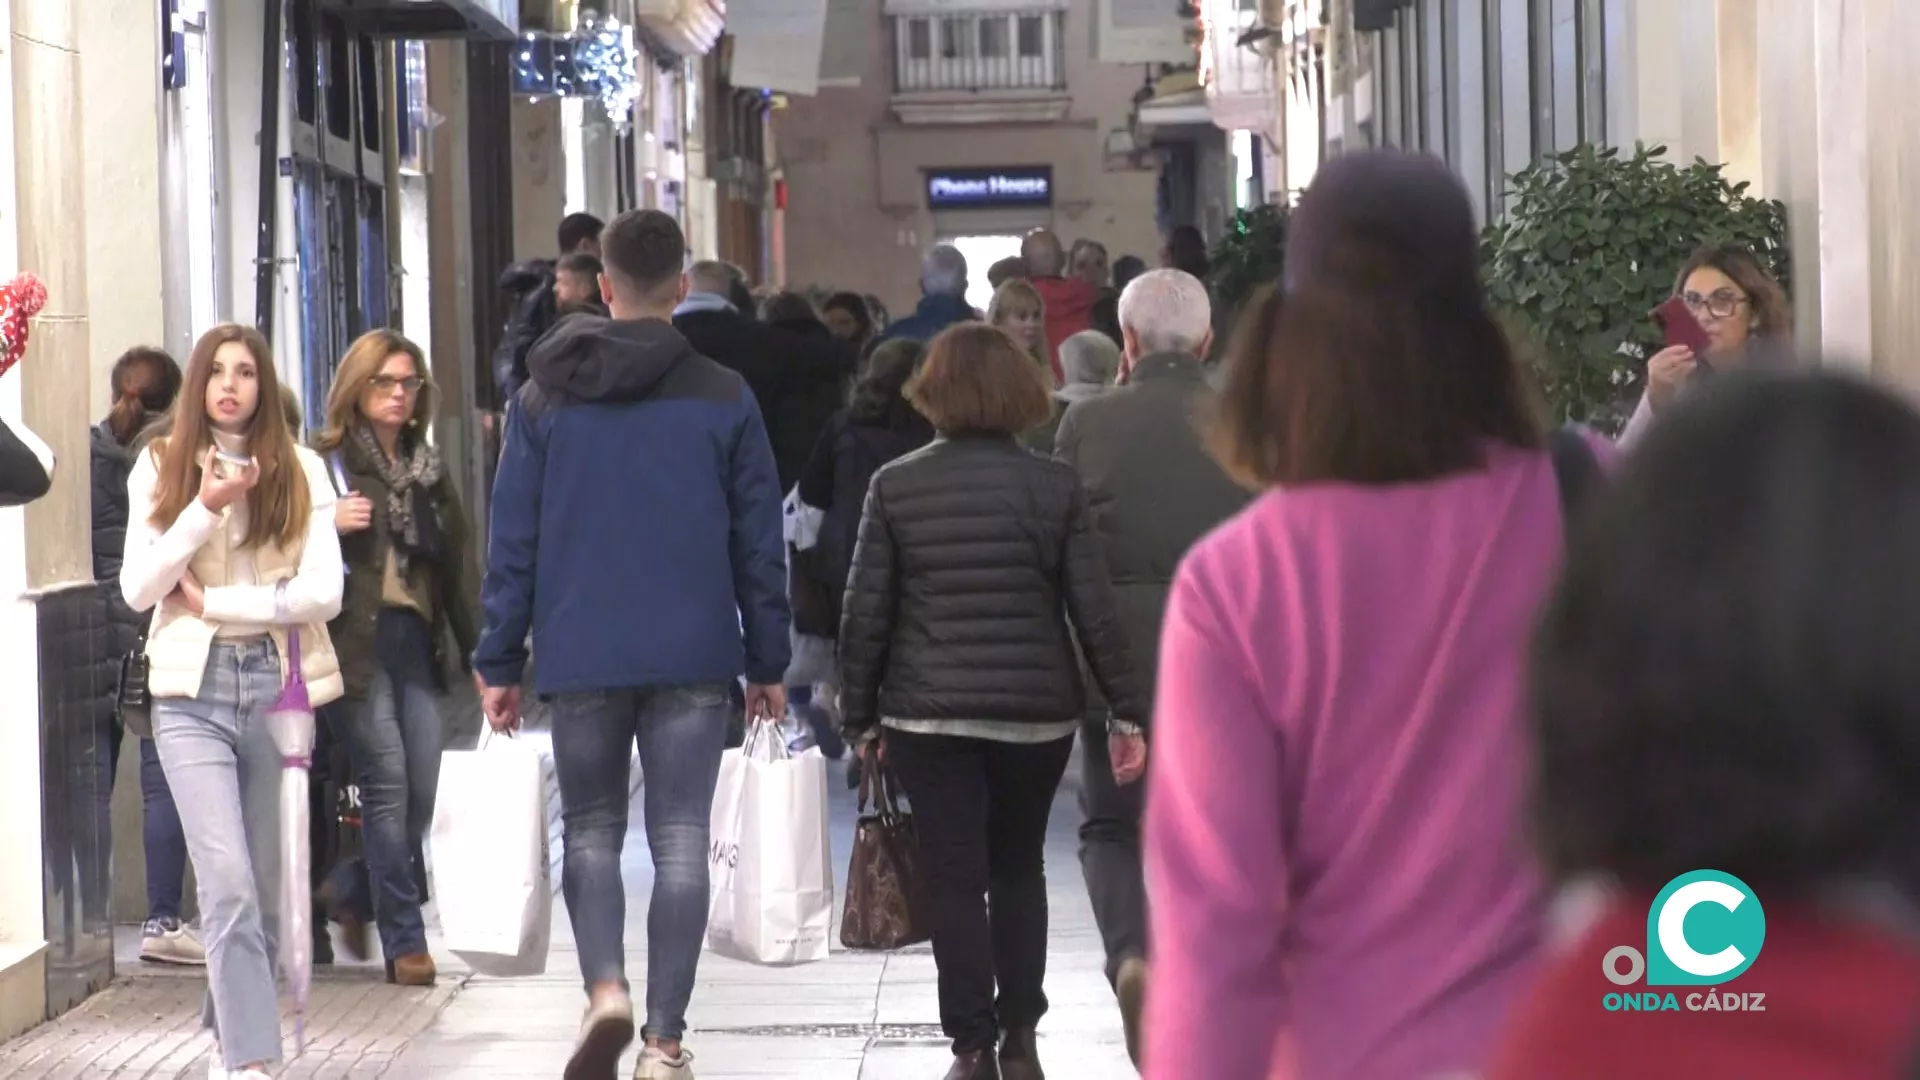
[(974, 1065), (1020, 1055), (414, 970)]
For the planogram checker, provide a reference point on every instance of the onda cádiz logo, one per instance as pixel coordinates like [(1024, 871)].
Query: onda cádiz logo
[(1704, 929)]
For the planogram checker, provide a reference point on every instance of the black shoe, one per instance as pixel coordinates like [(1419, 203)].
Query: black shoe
[(974, 1065), (1020, 1055)]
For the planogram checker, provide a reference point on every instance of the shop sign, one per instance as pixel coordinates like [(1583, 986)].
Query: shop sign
[(957, 189)]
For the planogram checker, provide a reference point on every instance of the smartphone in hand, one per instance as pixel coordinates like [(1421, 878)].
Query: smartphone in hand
[(1681, 328)]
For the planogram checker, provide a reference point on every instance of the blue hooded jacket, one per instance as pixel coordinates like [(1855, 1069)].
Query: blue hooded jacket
[(636, 521), (935, 313)]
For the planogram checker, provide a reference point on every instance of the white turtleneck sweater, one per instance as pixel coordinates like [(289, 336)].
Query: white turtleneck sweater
[(242, 606)]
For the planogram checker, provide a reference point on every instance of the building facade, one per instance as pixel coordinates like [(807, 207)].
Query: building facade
[(172, 164), (961, 123), (1793, 97)]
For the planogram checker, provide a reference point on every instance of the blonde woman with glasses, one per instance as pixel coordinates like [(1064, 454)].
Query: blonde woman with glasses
[(402, 534)]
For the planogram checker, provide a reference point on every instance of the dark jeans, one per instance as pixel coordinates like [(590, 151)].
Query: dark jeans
[(166, 843), (396, 735), (681, 733), (1110, 850), (980, 809)]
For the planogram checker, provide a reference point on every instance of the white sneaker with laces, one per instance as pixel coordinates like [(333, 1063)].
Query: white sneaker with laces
[(654, 1064), (168, 941)]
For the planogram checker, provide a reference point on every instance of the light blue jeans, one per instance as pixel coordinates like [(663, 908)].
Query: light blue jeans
[(681, 733), (224, 771)]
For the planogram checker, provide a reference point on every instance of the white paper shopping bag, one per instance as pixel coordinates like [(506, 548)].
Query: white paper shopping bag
[(490, 870), (770, 862)]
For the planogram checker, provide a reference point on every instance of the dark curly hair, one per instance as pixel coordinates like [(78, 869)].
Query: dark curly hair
[(1725, 677)]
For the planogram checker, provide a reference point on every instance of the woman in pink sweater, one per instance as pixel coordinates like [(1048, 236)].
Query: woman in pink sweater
[(1340, 885)]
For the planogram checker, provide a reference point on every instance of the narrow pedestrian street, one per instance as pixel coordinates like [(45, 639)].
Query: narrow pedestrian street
[(855, 1016)]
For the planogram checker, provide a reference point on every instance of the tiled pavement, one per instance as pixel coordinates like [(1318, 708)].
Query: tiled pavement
[(854, 1016)]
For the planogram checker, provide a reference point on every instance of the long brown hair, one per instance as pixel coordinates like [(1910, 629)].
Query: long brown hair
[(364, 359), (280, 504)]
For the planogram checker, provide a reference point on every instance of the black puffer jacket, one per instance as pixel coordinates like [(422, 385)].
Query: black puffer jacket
[(973, 555), (120, 630)]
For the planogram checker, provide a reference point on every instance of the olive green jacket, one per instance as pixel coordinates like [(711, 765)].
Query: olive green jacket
[(452, 596)]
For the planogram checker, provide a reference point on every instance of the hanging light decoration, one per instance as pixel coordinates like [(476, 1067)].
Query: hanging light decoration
[(604, 65)]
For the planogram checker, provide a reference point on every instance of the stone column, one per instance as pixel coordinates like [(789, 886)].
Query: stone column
[(1737, 56), (1839, 151), (539, 176), (1892, 153), (1789, 134)]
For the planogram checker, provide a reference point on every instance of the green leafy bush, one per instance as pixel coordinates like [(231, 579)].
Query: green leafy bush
[(1249, 255), (1590, 246)]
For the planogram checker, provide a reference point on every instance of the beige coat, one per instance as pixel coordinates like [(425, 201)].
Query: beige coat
[(178, 641)]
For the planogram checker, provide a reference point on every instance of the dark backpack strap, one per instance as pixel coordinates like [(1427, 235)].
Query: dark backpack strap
[(1575, 469)]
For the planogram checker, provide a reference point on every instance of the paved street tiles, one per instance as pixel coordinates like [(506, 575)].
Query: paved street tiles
[(854, 1016)]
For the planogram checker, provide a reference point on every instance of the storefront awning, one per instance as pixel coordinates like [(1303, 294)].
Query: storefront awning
[(497, 20)]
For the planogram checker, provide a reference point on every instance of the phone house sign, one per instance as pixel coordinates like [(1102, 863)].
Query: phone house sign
[(950, 189)]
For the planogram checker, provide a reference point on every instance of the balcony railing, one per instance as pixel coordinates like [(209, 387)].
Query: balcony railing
[(983, 52)]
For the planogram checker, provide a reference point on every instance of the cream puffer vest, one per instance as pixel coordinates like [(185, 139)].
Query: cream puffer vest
[(179, 641)]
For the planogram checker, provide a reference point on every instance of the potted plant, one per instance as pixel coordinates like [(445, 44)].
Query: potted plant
[(1590, 244)]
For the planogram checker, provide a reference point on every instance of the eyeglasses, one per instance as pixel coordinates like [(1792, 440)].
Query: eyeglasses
[(385, 383), (1720, 305)]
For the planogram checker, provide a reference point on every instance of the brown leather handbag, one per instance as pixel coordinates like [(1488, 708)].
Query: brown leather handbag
[(885, 908)]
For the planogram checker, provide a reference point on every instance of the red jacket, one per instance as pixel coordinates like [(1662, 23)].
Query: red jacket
[(1069, 310), (1842, 1003)]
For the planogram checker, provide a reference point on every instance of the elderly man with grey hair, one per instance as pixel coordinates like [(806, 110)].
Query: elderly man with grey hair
[(943, 296), (1153, 491)]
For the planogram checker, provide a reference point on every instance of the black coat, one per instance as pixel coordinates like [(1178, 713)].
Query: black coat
[(791, 376), (120, 630), (529, 288), (835, 481), (973, 556)]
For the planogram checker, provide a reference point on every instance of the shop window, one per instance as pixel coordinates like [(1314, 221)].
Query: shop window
[(920, 39), (338, 78), (369, 85)]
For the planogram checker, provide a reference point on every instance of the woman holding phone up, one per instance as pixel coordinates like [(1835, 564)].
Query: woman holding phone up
[(1740, 308), (230, 540)]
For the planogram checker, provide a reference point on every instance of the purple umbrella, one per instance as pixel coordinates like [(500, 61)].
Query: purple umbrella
[(290, 722)]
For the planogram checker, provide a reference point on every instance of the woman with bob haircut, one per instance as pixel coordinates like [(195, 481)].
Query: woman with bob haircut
[(959, 675), (1724, 681), (1745, 314), (1333, 820), (230, 540), (403, 536)]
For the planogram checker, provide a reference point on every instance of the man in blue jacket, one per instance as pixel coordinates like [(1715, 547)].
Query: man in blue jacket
[(943, 297), (636, 527)]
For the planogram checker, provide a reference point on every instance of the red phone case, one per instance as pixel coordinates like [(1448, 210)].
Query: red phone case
[(1681, 327)]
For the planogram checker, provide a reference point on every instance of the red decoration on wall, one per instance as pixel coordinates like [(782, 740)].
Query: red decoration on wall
[(20, 300)]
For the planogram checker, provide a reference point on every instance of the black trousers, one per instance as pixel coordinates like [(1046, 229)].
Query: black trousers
[(1110, 850), (980, 810)]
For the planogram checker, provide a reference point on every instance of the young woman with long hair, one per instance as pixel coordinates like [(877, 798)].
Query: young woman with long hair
[(402, 536), (230, 540)]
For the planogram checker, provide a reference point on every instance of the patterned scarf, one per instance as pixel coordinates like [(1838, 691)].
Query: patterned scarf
[(419, 465)]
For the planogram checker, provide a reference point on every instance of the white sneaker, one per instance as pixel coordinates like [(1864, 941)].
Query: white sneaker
[(605, 1034), (654, 1064), (167, 941)]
